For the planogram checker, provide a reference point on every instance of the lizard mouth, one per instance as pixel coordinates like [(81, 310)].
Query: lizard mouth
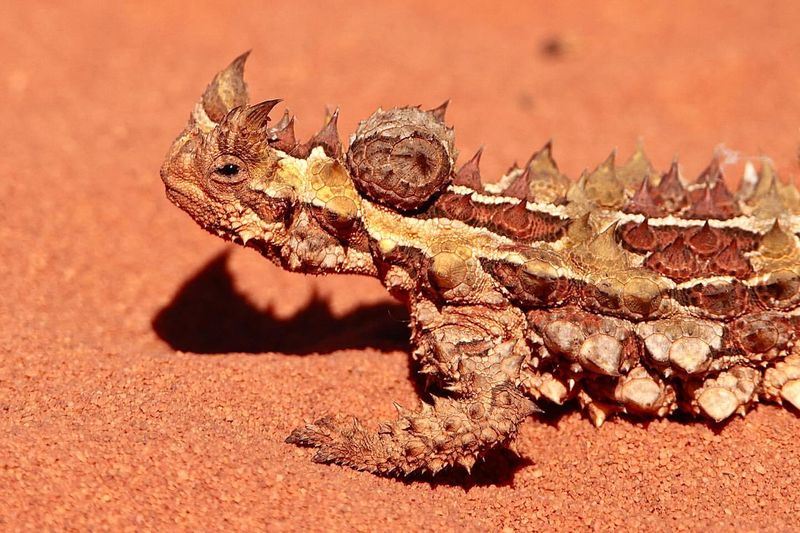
[(180, 194), (176, 197)]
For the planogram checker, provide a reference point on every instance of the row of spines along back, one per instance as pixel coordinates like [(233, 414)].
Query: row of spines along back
[(634, 187), (637, 188)]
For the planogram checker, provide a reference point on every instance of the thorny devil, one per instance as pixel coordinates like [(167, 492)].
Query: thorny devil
[(630, 291)]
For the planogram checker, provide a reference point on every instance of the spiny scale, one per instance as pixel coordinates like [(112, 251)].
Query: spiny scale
[(627, 290)]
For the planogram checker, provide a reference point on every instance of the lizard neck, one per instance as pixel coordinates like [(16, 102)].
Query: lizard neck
[(337, 230), (325, 232)]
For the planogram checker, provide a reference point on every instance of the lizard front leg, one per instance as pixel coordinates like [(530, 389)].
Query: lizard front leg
[(475, 355)]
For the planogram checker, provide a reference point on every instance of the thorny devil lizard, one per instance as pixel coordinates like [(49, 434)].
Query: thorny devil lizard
[(630, 291)]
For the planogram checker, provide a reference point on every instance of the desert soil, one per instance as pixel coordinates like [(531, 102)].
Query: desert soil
[(149, 372)]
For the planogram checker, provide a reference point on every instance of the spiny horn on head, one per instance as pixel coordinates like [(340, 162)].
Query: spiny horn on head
[(257, 115), (225, 92), (282, 137)]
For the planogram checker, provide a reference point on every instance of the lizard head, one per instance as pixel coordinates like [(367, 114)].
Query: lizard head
[(222, 169)]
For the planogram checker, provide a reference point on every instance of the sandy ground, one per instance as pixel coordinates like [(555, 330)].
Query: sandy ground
[(149, 373)]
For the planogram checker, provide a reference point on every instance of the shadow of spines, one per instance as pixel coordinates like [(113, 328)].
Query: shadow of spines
[(207, 315)]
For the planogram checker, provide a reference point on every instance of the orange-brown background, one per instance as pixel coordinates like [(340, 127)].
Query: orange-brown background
[(111, 415)]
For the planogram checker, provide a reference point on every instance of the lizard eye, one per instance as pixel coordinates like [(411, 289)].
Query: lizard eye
[(228, 170)]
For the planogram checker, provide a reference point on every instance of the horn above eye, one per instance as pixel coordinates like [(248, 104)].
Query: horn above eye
[(225, 92)]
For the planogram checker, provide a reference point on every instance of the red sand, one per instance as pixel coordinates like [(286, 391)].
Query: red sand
[(112, 417)]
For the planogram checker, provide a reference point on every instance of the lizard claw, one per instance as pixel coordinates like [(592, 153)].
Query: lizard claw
[(337, 440), (314, 435)]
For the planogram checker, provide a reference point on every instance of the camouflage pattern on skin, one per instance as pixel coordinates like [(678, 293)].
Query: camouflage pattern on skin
[(626, 290)]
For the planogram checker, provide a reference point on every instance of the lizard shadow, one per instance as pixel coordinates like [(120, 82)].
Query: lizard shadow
[(207, 315), (497, 468)]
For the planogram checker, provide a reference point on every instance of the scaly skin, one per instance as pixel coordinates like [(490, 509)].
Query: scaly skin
[(629, 291)]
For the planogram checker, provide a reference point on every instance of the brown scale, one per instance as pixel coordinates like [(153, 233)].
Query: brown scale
[(242, 130), (730, 243), (601, 187), (780, 291), (746, 241), (409, 259), (614, 297), (519, 188), (712, 202), (347, 230), (731, 262), (282, 137), (469, 175), (696, 252), (510, 220), (711, 199), (705, 240), (516, 221), (724, 199), (327, 138), (762, 336), (670, 192), (535, 283), (643, 238), (717, 300), (712, 174), (402, 158), (677, 261), (644, 202), (454, 206), (519, 223)]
